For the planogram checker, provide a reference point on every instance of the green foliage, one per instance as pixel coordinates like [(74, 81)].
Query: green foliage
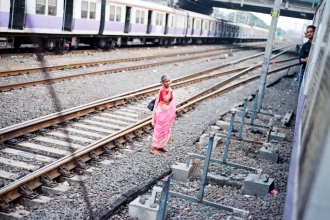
[(280, 32), (226, 169), (204, 209), (247, 18)]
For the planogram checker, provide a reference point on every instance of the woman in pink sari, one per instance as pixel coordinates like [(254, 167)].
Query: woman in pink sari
[(163, 116)]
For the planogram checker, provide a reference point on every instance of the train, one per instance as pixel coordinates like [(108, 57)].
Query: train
[(62, 24)]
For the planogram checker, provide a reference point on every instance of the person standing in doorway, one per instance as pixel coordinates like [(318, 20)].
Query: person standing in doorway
[(304, 52)]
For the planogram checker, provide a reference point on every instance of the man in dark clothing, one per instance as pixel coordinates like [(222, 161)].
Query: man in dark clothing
[(304, 52)]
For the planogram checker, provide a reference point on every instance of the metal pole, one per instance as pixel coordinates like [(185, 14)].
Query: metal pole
[(206, 167), (64, 13), (12, 15), (163, 199), (228, 136), (254, 107), (243, 116), (263, 76)]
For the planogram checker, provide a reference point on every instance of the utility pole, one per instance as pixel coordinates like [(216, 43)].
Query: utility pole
[(275, 13)]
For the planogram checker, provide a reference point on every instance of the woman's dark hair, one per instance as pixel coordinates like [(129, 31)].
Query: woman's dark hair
[(163, 78), (311, 26)]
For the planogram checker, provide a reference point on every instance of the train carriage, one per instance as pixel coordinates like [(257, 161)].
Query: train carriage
[(33, 16), (260, 33), (100, 23), (200, 25), (86, 16)]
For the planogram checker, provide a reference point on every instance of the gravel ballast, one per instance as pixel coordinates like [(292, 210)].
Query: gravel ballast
[(101, 188), (137, 169), (33, 102)]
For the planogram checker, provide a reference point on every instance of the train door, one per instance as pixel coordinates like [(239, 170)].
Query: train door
[(201, 31), (192, 26), (67, 15), (17, 14), (166, 23), (127, 19), (149, 22)]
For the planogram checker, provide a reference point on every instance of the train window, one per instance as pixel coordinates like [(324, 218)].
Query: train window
[(137, 17), (52, 5), (92, 11), (118, 15), (40, 7), (198, 23), (219, 27), (189, 22), (161, 19), (157, 18), (112, 13), (142, 17), (206, 25), (84, 9)]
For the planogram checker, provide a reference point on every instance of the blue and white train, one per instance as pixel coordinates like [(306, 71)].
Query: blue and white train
[(108, 23)]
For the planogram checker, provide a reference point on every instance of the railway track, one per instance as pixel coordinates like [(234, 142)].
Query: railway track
[(80, 51), (49, 80), (120, 124)]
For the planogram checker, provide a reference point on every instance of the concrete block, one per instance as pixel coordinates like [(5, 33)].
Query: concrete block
[(287, 117), (181, 172), (276, 121), (276, 136), (18, 214), (56, 190), (255, 186), (223, 125), (204, 140), (142, 211), (239, 113), (155, 190), (75, 179), (35, 202), (267, 154)]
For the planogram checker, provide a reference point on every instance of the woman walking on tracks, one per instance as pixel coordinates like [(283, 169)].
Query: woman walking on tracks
[(163, 116)]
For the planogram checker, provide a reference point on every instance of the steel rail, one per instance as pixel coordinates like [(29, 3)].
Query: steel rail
[(107, 71), (65, 115), (95, 63), (11, 191), (48, 53), (59, 79), (79, 51)]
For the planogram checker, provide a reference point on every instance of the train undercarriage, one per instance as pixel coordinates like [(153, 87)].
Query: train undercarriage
[(54, 42)]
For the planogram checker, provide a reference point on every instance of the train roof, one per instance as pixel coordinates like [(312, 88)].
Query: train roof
[(202, 16), (259, 28), (143, 4), (240, 24), (158, 7)]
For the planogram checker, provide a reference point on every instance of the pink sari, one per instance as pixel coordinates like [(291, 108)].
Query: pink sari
[(162, 118)]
